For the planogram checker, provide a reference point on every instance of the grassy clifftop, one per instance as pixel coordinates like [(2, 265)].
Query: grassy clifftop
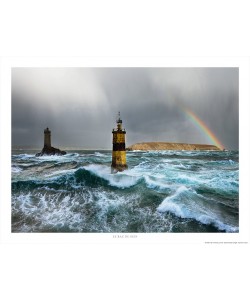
[(171, 146)]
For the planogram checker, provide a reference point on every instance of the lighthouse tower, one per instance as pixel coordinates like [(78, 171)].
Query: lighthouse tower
[(47, 148), (119, 150), (47, 138)]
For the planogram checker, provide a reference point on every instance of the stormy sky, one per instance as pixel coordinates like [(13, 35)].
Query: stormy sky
[(80, 105)]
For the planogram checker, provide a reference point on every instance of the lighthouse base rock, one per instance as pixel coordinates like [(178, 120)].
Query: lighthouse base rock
[(50, 151)]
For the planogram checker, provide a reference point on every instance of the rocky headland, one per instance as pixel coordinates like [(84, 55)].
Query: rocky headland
[(171, 146)]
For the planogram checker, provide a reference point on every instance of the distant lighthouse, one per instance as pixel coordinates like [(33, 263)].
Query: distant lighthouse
[(119, 150), (47, 148), (47, 138)]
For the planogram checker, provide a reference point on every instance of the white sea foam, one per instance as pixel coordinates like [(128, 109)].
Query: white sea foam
[(60, 172), (121, 180), (16, 170), (168, 205), (107, 199), (99, 154), (156, 182), (190, 209), (52, 158)]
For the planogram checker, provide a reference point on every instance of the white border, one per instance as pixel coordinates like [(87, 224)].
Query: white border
[(174, 238)]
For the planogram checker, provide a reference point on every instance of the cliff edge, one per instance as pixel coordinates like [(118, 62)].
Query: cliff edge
[(171, 146)]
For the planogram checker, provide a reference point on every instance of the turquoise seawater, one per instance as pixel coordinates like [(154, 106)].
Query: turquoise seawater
[(162, 191)]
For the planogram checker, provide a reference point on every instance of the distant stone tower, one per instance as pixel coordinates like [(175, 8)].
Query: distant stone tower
[(47, 138), (47, 148), (119, 150)]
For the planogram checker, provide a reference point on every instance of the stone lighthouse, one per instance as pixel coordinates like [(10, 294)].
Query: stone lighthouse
[(47, 148), (47, 138), (119, 151)]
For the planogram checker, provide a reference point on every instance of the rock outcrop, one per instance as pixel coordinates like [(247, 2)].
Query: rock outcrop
[(50, 151), (171, 146)]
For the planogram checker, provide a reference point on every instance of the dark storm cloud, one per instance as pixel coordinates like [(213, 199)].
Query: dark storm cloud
[(80, 105)]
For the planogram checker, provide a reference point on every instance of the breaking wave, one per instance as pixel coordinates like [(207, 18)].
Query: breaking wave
[(164, 191)]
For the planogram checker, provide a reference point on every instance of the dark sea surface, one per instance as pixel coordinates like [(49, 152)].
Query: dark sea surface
[(162, 191)]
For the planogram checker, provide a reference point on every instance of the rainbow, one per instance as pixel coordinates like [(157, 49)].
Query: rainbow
[(203, 127)]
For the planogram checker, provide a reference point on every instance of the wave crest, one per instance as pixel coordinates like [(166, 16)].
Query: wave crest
[(186, 204)]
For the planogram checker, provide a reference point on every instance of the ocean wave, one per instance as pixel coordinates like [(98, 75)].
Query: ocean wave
[(72, 155), (15, 169), (23, 156), (53, 157), (120, 180), (85, 211), (88, 176), (99, 154), (56, 174), (160, 192), (157, 183), (184, 204)]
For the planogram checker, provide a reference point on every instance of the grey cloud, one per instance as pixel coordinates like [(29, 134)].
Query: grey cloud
[(80, 104)]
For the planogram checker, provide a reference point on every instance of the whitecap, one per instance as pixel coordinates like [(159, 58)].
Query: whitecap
[(190, 209), (121, 180), (168, 205), (99, 154), (16, 169), (58, 173), (156, 182), (71, 155)]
